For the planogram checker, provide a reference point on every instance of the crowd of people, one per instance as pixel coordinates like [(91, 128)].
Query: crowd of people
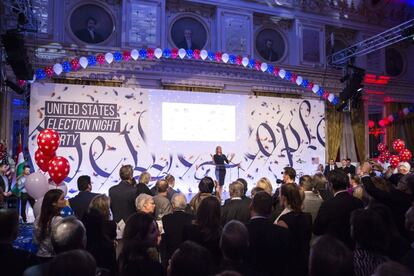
[(341, 221)]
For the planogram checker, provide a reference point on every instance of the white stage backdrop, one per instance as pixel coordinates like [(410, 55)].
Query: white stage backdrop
[(173, 132)]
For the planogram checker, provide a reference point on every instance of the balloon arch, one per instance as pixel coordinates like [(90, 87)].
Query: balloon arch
[(83, 62)]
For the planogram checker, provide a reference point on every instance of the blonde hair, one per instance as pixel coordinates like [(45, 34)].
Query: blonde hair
[(265, 184), (145, 178), (101, 203)]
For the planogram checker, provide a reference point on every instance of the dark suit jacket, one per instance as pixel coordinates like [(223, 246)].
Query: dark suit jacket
[(14, 261), (269, 250), (80, 203), (183, 44), (398, 201), (85, 36), (328, 169), (142, 188), (123, 198), (238, 209), (333, 217), (173, 229), (352, 169)]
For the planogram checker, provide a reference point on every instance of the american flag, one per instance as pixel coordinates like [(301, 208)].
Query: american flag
[(4, 159)]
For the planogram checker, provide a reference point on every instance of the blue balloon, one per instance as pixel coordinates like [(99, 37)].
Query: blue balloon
[(40, 74), (190, 53), (270, 68), (288, 75), (167, 53), (66, 66), (305, 83), (117, 56), (232, 59), (335, 101), (211, 55), (66, 212), (91, 60), (142, 53), (251, 64), (320, 92)]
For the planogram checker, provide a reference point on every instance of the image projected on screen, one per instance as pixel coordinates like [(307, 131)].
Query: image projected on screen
[(198, 122)]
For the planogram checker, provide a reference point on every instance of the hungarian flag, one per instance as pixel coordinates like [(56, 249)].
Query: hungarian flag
[(20, 158), (19, 167)]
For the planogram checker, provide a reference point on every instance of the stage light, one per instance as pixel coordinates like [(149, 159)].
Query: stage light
[(353, 89)]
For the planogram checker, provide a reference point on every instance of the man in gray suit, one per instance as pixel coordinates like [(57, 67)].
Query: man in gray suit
[(162, 204), (312, 201)]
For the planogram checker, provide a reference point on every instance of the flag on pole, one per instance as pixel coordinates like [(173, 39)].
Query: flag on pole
[(19, 167)]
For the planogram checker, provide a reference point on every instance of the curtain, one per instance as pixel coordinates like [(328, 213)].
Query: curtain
[(333, 131), (348, 138), (359, 128), (402, 128)]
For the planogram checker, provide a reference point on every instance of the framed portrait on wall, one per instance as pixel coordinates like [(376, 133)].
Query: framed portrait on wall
[(91, 23), (187, 32), (270, 45)]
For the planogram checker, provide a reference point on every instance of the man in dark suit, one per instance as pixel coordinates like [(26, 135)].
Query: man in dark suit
[(174, 224), (351, 168), (269, 244), (80, 203), (334, 214), (398, 201), (14, 261), (89, 34), (237, 208), (188, 42), (123, 195), (330, 167), (267, 51), (344, 166), (142, 186)]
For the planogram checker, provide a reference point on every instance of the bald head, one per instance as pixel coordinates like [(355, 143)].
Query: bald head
[(68, 234)]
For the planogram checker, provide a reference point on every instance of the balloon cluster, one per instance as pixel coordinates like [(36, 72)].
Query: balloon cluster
[(45, 156), (219, 57), (402, 154), (395, 116)]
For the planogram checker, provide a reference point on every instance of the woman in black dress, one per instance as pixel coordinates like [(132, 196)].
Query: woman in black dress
[(299, 225), (219, 158)]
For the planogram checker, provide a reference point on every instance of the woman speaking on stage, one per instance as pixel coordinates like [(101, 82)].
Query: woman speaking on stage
[(219, 158)]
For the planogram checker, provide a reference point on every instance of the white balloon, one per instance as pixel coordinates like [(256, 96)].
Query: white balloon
[(406, 111), (263, 67), (182, 53), (282, 73), (225, 57), (58, 69), (83, 61), (315, 88), (245, 61), (158, 53), (37, 207), (331, 97), (134, 54), (36, 185), (32, 80), (109, 57), (299, 80), (61, 186), (203, 54)]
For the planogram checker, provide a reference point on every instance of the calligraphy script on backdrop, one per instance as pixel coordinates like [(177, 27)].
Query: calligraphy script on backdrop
[(103, 128)]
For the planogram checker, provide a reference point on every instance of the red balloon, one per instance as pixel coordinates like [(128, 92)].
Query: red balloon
[(386, 153), (59, 169), (196, 54), (150, 53), (405, 155), (126, 55), (381, 147), (42, 160), (381, 158), (394, 160), (174, 53), (398, 145), (239, 60), (48, 141), (371, 124), (100, 58)]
